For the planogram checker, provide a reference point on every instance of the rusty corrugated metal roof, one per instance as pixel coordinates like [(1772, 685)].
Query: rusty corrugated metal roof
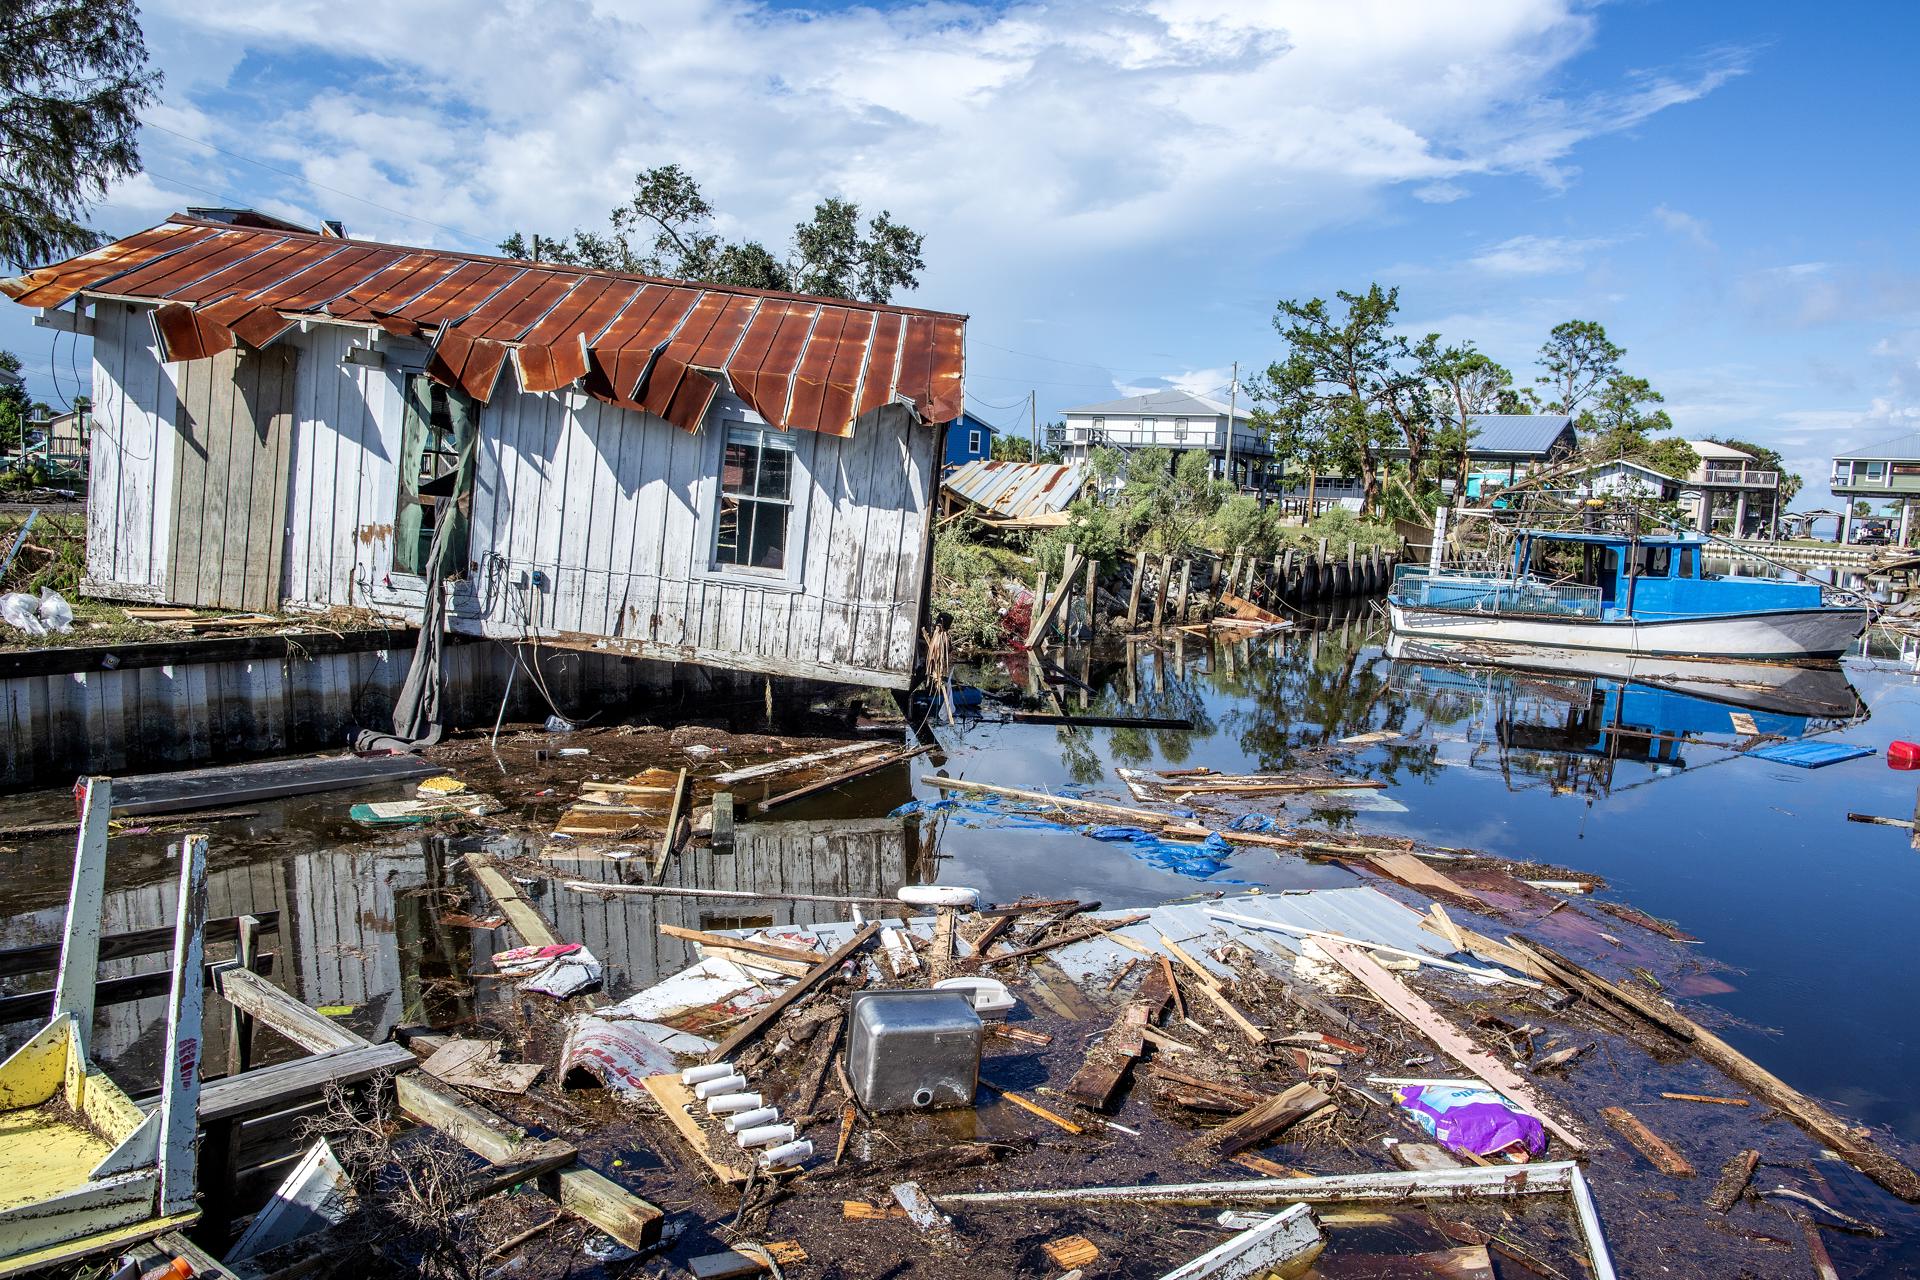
[(814, 364), (1018, 490)]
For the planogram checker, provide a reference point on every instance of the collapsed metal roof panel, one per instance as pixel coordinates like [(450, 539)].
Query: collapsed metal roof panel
[(1018, 490), (814, 364)]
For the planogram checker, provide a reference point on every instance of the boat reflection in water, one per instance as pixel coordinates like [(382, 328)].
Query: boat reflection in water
[(1566, 720)]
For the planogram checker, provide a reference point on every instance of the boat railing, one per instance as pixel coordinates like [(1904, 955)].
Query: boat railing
[(1418, 586)]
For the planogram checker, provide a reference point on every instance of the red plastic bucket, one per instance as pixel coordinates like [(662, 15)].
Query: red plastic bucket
[(1903, 755)]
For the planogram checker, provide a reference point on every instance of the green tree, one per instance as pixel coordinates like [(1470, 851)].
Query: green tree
[(1770, 460), (1010, 446), (1468, 382), (1340, 393), (73, 78), (1580, 362), (664, 229), (15, 408)]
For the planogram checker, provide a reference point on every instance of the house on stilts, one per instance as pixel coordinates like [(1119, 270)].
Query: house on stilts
[(656, 469)]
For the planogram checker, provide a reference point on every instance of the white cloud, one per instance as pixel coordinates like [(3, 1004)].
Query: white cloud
[(1536, 255), (1440, 193), (1684, 225), (1026, 133), (1195, 382)]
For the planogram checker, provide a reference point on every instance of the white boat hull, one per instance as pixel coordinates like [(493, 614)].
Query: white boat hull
[(1786, 635)]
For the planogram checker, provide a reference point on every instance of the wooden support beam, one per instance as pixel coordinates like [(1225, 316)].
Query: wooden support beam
[(527, 922), (1853, 1145), (1648, 1143), (274, 1008), (1133, 592), (768, 1013), (1122, 812), (677, 827), (1424, 1018), (1258, 1126), (858, 769), (767, 949)]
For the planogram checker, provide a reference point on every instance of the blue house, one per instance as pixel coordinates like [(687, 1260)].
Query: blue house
[(968, 440)]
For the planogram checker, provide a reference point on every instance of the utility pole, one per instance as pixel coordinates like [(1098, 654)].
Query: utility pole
[(1033, 429), (1233, 403)]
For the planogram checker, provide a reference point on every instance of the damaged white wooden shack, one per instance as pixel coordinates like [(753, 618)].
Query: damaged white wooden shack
[(640, 467)]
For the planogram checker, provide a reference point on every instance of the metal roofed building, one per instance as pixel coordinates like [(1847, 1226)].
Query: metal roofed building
[(1015, 495), (1729, 486), (1174, 420), (1517, 441), (636, 467)]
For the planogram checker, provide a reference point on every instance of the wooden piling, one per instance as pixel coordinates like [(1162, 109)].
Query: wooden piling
[(1133, 592), (1186, 580), (1093, 597), (1160, 590)]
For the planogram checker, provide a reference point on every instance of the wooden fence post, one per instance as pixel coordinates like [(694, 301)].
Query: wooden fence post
[(1160, 590), (240, 1024), (1133, 594), (1093, 597), (1186, 581)]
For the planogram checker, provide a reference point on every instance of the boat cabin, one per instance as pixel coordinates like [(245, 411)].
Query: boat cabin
[(1614, 577)]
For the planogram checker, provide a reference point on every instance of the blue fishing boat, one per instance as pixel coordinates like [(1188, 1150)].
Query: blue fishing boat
[(1649, 595)]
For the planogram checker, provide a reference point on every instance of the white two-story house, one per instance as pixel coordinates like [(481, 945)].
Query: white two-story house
[(1177, 421)]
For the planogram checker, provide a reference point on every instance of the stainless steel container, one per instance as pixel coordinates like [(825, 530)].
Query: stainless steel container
[(913, 1050)]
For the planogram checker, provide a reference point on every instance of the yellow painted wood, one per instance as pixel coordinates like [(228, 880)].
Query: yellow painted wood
[(45, 1151), (108, 1108), (36, 1070), (101, 1241)]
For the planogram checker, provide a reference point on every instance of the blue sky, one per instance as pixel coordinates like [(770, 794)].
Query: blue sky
[(1118, 194)]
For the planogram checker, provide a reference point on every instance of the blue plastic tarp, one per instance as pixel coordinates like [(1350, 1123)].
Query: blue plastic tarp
[(1811, 755)]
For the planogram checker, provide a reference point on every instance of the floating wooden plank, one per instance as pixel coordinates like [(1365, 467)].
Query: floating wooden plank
[(1734, 1177), (1283, 1242), (1424, 1018), (1247, 611), (1708, 1098), (1099, 1077), (1122, 812), (922, 1213), (791, 764), (767, 1013), (861, 1211), (1032, 1108), (1424, 1156), (1071, 1251), (1544, 1177), (858, 769), (527, 922), (233, 784), (1260, 1125), (475, 1064), (767, 949), (1855, 1147), (1648, 1143), (589, 1195)]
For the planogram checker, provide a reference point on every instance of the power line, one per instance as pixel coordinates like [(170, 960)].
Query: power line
[(318, 186), (1021, 403)]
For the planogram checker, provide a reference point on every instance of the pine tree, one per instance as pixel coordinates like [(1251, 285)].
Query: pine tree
[(73, 78)]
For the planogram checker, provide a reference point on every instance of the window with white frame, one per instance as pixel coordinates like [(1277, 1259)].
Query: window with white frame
[(1099, 424), (1843, 473), (973, 441), (1876, 473), (754, 522), (1179, 428)]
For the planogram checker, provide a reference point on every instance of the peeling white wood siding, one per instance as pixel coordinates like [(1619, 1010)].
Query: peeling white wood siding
[(613, 509)]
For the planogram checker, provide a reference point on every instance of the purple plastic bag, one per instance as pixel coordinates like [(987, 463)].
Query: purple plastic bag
[(1472, 1119)]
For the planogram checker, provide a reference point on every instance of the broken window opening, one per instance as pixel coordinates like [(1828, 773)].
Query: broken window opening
[(437, 433), (756, 500)]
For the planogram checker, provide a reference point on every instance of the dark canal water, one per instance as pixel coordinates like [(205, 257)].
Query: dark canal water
[(1818, 917)]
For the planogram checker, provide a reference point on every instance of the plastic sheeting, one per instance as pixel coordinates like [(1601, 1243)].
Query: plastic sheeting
[(1199, 861), (1470, 1118)]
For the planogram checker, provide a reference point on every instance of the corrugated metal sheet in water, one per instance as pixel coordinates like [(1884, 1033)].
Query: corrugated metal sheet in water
[(1018, 490), (813, 364)]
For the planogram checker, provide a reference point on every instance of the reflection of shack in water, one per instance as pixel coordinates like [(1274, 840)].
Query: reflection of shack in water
[(364, 932), (842, 858), (1567, 721), (329, 928)]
